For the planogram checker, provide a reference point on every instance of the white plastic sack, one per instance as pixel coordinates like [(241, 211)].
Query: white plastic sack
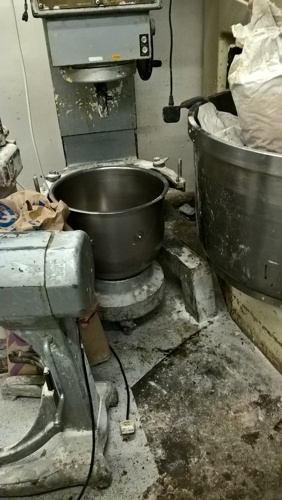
[(255, 77), (222, 125)]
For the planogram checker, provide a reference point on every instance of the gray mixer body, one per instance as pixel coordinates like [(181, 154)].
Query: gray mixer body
[(47, 274), (46, 282)]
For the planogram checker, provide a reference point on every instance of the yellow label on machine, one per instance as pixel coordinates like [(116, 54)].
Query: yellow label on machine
[(115, 57)]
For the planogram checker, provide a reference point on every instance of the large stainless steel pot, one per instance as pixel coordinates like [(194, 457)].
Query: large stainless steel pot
[(122, 210), (239, 209)]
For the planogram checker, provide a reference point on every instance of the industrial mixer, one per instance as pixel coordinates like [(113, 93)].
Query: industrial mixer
[(49, 276), (94, 50)]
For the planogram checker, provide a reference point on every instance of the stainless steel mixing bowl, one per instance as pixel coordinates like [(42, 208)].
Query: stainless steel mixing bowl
[(121, 208), (239, 209)]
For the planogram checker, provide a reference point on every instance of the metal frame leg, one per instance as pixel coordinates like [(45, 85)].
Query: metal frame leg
[(70, 421)]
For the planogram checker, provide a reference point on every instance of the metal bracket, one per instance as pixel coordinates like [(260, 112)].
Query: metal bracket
[(54, 468), (44, 428)]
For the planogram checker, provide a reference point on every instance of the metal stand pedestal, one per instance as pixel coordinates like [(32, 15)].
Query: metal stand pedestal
[(126, 300)]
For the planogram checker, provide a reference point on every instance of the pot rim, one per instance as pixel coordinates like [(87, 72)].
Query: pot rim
[(250, 159), (112, 167)]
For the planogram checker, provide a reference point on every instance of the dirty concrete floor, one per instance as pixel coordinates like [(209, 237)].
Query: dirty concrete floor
[(212, 413), (207, 407)]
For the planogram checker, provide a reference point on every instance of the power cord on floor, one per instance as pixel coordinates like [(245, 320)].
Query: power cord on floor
[(91, 466), (128, 431), (126, 383)]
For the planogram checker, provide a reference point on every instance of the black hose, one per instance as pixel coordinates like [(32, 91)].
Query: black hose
[(92, 418)]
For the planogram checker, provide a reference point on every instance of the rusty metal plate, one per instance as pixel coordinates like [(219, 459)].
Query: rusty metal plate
[(77, 4)]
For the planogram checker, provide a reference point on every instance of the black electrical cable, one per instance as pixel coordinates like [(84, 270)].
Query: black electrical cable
[(92, 418), (125, 381), (171, 98)]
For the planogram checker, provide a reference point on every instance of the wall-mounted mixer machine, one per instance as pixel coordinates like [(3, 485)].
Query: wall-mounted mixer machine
[(94, 49)]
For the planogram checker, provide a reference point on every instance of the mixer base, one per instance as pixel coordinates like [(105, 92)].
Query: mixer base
[(126, 300)]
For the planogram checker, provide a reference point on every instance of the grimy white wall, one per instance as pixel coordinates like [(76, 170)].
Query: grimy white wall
[(155, 137), (13, 110)]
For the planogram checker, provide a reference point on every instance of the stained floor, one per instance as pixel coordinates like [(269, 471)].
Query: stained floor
[(212, 414)]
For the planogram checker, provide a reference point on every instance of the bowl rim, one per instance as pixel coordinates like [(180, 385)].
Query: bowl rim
[(83, 170)]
